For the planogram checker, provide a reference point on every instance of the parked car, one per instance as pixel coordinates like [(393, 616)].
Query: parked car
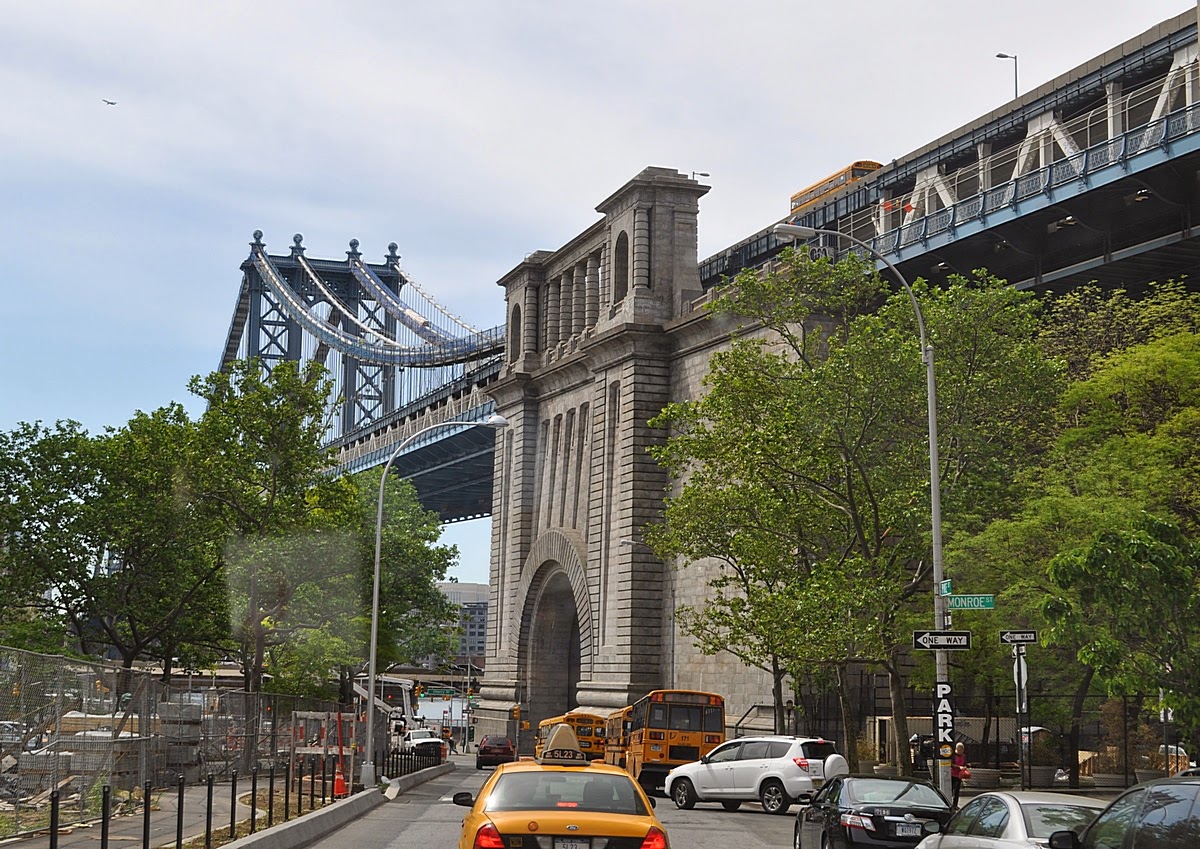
[(494, 750), (774, 771), (13, 733), (1014, 819), (1163, 814), (878, 811), (423, 741)]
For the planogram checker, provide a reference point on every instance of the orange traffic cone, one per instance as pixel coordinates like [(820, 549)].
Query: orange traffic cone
[(339, 783)]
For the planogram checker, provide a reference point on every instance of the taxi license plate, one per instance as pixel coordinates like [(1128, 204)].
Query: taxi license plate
[(572, 843), (904, 829)]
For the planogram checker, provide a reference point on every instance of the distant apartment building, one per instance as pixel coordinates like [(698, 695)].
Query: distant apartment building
[(472, 603)]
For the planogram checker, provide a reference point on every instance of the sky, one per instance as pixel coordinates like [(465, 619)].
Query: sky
[(471, 134)]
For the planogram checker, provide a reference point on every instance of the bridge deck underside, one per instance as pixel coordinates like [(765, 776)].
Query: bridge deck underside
[(453, 475)]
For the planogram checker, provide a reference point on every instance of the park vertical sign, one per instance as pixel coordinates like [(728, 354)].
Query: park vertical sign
[(943, 715)]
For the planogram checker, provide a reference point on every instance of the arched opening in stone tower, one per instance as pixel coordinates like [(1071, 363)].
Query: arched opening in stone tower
[(620, 276), (554, 652)]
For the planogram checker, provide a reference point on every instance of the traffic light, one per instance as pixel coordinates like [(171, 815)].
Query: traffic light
[(419, 690), (516, 712)]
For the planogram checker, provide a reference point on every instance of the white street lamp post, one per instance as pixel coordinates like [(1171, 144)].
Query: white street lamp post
[(367, 774), (1016, 83), (941, 660)]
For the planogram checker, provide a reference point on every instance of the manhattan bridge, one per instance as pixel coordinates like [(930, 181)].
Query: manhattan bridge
[(400, 361)]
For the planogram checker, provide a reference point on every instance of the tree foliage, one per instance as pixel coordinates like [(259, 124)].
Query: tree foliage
[(803, 471)]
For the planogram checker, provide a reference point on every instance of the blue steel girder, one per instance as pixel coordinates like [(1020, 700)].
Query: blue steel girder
[(944, 191)]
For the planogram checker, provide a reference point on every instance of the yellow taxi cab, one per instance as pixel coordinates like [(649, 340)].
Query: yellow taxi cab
[(560, 800)]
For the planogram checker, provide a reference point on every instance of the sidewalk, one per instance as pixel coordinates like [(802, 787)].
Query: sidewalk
[(126, 831)]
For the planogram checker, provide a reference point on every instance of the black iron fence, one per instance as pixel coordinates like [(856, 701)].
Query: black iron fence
[(1059, 740), (215, 812)]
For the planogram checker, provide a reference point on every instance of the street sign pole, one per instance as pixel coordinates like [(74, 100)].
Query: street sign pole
[(1021, 678)]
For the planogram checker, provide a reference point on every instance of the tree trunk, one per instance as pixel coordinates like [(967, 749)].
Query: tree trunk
[(899, 713), (849, 741), (1073, 740), (777, 675)]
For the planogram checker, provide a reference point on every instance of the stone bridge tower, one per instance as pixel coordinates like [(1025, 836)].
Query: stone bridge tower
[(596, 332)]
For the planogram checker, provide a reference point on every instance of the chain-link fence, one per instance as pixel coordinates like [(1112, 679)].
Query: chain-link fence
[(75, 727)]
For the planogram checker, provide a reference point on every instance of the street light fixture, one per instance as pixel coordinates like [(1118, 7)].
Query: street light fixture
[(367, 774), (1016, 87), (795, 231)]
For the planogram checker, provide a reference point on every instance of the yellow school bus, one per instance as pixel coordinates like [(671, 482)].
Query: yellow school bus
[(616, 737), (672, 727), (588, 728)]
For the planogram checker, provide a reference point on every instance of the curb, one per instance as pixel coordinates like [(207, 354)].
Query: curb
[(310, 828)]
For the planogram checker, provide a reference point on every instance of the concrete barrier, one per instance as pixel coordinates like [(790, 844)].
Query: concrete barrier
[(310, 828)]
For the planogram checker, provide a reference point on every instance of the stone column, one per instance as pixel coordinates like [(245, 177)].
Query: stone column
[(564, 311), (641, 247), (578, 298), (552, 295), (592, 284), (529, 320)]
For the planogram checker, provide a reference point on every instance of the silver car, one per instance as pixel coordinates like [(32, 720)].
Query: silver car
[(1011, 819)]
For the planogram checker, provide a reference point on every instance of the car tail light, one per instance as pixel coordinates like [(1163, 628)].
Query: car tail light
[(801, 762), (853, 820), (655, 840), (488, 838)]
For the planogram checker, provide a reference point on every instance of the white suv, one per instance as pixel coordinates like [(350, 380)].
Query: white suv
[(774, 771)]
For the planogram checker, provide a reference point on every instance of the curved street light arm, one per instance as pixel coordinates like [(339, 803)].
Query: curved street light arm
[(796, 231), (367, 773)]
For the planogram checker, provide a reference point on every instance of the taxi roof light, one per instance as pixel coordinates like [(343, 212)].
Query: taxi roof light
[(562, 748)]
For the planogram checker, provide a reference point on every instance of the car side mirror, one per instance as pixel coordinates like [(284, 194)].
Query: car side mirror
[(930, 827), (804, 799), (464, 798), (1064, 840)]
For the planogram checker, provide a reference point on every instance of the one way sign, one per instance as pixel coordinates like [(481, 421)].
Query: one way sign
[(941, 639), (1013, 638)]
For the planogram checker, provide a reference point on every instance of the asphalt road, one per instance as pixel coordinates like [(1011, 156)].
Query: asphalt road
[(425, 816)]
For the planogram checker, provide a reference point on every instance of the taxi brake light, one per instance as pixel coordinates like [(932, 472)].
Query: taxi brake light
[(655, 839), (488, 838), (802, 763)]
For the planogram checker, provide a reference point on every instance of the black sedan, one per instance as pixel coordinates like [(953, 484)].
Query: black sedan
[(875, 811)]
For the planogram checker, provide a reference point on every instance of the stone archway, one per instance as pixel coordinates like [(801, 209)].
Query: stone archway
[(556, 629), (552, 672)]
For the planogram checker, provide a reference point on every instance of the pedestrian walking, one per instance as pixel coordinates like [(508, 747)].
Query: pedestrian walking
[(958, 770)]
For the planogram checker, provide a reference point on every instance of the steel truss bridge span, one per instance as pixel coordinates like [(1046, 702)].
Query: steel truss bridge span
[(1088, 177), (399, 360)]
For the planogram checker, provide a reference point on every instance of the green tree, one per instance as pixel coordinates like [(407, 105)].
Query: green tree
[(105, 539), (803, 471), (261, 469), (1131, 610)]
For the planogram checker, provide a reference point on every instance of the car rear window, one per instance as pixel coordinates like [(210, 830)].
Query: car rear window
[(818, 750), (1043, 820), (874, 791), (577, 790)]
